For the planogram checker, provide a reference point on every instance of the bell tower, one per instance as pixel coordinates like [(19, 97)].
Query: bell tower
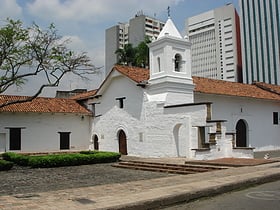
[(170, 67)]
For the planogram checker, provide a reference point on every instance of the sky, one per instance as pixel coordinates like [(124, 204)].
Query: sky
[(85, 22)]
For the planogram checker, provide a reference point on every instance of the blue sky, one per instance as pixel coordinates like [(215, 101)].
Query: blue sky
[(85, 22)]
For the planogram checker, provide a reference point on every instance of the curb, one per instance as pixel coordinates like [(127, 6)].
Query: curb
[(182, 197)]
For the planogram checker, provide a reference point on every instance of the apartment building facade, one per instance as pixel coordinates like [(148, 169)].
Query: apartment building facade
[(215, 38), (133, 32)]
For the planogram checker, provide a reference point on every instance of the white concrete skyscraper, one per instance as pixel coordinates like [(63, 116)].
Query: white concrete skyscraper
[(215, 38), (260, 26)]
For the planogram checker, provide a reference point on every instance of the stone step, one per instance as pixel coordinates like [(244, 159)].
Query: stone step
[(169, 166), (165, 167), (174, 171), (185, 165)]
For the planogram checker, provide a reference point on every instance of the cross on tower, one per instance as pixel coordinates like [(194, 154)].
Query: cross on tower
[(168, 11)]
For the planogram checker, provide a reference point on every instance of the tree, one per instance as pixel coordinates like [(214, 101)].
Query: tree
[(134, 56), (27, 52), (142, 53), (126, 56)]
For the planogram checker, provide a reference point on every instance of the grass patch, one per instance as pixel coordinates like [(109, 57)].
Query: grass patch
[(58, 160)]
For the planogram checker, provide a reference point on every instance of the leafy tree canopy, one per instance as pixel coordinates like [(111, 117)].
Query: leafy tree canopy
[(134, 56), (26, 52)]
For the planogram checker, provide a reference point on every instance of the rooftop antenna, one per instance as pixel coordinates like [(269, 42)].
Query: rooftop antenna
[(168, 11)]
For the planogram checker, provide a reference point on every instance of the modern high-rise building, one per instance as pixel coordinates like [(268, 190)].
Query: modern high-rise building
[(134, 32), (260, 26), (115, 38), (216, 49)]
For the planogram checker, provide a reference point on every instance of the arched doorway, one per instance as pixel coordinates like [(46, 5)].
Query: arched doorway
[(95, 142), (241, 133), (122, 142), (180, 141)]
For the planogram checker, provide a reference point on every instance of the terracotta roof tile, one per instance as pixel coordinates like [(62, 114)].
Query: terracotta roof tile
[(269, 87), (85, 95), (221, 87), (134, 73), (43, 105), (212, 86), (208, 86)]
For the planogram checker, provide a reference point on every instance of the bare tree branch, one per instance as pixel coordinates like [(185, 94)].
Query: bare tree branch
[(29, 52)]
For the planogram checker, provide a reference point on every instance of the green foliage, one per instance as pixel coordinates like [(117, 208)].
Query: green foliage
[(5, 165), (18, 159), (134, 56), (126, 56), (33, 52), (47, 161)]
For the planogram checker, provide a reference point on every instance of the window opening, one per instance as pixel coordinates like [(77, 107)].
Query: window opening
[(64, 140), (178, 61), (275, 118), (158, 62), (15, 138), (121, 102)]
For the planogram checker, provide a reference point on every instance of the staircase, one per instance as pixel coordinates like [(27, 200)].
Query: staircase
[(166, 167)]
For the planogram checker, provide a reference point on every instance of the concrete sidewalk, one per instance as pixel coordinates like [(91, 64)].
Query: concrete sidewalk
[(147, 194)]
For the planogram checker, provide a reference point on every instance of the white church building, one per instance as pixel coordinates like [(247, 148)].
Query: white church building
[(165, 112), (158, 112)]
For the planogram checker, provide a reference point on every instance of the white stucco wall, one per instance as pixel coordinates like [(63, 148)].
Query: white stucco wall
[(40, 131), (151, 129), (262, 134)]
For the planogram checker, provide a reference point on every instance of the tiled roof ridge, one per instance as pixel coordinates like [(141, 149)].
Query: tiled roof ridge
[(85, 95), (134, 72), (268, 87), (43, 105), (222, 87), (206, 85)]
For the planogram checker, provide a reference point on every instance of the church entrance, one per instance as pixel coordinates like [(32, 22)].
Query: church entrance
[(95, 142), (241, 133), (122, 142)]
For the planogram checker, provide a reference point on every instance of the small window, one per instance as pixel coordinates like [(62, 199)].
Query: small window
[(15, 138), (121, 102), (64, 140), (178, 62), (275, 118), (158, 62)]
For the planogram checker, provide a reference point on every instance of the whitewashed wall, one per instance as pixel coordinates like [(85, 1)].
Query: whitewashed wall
[(262, 134), (40, 133), (151, 129)]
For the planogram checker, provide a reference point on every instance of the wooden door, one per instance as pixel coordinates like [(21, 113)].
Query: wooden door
[(122, 143)]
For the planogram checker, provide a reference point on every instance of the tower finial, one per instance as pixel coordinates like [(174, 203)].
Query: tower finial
[(168, 11)]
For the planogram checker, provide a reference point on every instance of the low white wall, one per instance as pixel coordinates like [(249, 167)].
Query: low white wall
[(262, 134), (40, 131)]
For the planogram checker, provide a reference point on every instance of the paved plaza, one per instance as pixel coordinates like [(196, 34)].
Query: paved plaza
[(104, 187)]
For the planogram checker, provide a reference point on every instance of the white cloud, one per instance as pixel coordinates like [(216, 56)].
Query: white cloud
[(95, 11), (84, 23), (76, 43), (9, 9)]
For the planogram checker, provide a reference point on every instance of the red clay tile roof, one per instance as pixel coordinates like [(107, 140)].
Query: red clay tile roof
[(221, 87), (269, 87), (43, 105), (85, 95), (134, 73), (209, 86)]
